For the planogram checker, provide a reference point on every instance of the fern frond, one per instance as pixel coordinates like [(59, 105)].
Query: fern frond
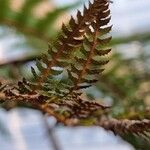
[(72, 110), (59, 55), (2, 92), (122, 127), (26, 11), (73, 107), (90, 64), (71, 113), (2, 87)]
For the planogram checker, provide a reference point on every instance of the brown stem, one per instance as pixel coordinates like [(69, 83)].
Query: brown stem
[(86, 64)]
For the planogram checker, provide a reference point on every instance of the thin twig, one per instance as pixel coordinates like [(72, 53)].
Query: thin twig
[(51, 134)]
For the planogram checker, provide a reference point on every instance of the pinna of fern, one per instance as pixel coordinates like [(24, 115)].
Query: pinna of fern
[(87, 67), (2, 87)]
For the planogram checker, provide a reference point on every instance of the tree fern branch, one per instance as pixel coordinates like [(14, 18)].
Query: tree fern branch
[(136, 127), (72, 37)]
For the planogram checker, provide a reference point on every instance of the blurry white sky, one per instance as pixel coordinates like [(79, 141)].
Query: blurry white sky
[(32, 135)]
